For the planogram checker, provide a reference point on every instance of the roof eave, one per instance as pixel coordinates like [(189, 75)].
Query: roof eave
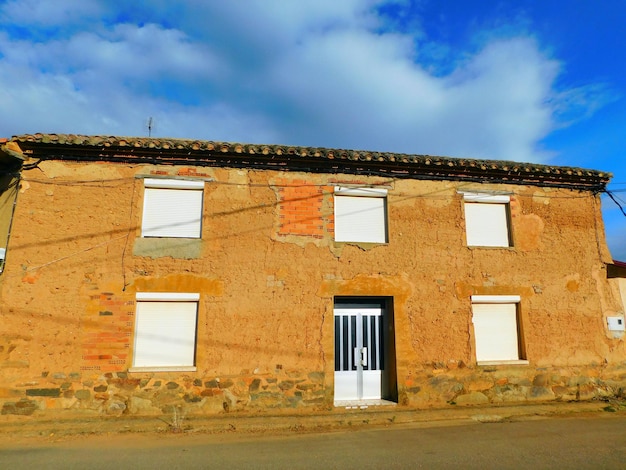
[(209, 153)]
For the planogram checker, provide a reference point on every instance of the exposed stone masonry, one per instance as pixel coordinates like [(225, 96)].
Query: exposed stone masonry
[(122, 393)]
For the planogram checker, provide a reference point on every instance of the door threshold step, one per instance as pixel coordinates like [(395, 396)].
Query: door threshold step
[(362, 404)]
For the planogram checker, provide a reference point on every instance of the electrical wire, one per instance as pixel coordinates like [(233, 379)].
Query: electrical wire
[(121, 181), (615, 201), (130, 228), (454, 186), (71, 255)]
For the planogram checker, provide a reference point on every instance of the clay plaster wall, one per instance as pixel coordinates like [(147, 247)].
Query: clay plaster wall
[(268, 271), (619, 287)]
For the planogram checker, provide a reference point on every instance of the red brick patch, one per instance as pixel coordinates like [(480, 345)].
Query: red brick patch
[(300, 209), (105, 341)]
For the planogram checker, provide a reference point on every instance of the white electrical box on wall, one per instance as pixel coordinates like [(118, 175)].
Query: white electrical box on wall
[(616, 323)]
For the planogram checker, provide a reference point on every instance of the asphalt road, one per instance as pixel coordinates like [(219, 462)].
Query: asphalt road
[(597, 442)]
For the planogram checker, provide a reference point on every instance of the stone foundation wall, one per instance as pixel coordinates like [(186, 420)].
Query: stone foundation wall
[(501, 384), (122, 393), (116, 393)]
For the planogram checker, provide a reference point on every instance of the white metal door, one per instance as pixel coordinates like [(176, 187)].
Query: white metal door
[(359, 352)]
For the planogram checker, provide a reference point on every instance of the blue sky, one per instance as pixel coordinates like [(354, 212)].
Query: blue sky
[(538, 81)]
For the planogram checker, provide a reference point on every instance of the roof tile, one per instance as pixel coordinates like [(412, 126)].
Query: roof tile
[(515, 170)]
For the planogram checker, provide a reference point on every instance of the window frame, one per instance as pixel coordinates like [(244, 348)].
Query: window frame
[(343, 233), (473, 235), (141, 327), (152, 210), (480, 336)]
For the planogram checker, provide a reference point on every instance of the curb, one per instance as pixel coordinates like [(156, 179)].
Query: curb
[(289, 422)]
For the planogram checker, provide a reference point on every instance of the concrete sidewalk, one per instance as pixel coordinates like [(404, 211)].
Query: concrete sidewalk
[(289, 422)]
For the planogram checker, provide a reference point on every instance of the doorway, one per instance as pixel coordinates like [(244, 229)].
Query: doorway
[(363, 350)]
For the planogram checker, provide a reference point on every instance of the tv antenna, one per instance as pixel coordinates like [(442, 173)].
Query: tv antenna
[(150, 125)]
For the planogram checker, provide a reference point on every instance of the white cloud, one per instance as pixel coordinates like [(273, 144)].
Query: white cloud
[(270, 21), (127, 51), (361, 90), (49, 13), (313, 72), (499, 101), (576, 104), (57, 106)]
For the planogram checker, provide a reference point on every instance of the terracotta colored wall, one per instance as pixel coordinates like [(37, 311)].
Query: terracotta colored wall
[(268, 274), (619, 286)]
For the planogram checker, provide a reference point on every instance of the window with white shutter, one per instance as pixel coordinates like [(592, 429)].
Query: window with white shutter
[(487, 219), (172, 208), (165, 331), (360, 215), (496, 328)]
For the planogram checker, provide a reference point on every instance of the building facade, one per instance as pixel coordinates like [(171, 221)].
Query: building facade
[(146, 275)]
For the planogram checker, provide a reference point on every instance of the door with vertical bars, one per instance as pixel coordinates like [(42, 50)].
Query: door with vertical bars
[(359, 351)]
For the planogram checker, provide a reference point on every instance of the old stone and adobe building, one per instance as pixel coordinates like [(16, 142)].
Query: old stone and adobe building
[(143, 275)]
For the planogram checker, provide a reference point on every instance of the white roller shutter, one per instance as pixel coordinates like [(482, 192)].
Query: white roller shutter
[(360, 216), (495, 330), (486, 224), (172, 208), (165, 334)]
